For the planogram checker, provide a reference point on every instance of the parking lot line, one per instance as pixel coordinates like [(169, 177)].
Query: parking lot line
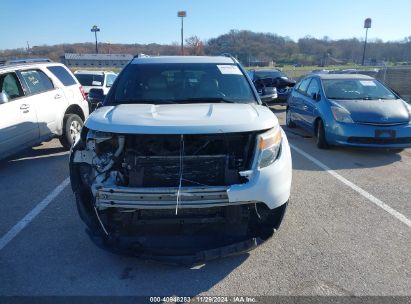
[(353, 186), (15, 230)]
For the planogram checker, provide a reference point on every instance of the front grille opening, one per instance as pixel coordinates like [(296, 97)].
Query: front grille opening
[(207, 160)]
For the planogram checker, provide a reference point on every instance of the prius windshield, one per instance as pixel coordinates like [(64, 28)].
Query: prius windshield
[(157, 83), (366, 89)]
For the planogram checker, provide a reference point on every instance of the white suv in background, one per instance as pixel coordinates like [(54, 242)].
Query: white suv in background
[(39, 99), (96, 79)]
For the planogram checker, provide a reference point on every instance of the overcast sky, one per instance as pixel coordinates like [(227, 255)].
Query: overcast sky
[(155, 21)]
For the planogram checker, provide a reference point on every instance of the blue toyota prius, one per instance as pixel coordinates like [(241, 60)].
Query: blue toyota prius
[(350, 110)]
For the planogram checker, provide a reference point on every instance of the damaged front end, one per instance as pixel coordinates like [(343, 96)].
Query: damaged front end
[(166, 197)]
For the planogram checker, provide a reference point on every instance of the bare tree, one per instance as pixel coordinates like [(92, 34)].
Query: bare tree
[(194, 46)]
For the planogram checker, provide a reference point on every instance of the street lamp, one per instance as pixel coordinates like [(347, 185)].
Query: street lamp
[(182, 14), (367, 25), (95, 29)]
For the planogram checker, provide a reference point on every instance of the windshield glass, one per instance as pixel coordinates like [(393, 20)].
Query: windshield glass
[(181, 83), (270, 74), (356, 89), (90, 80)]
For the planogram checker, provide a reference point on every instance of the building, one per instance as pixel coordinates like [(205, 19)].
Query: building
[(96, 60)]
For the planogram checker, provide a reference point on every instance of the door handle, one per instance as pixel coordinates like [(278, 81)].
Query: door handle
[(57, 96)]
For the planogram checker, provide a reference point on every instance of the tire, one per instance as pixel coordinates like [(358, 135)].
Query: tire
[(321, 141), (72, 125), (288, 119)]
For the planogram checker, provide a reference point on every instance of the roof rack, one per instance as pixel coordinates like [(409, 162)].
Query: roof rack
[(26, 60), (230, 56)]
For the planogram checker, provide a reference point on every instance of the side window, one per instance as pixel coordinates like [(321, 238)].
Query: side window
[(37, 81), (110, 80), (10, 85), (62, 74), (313, 88), (302, 88)]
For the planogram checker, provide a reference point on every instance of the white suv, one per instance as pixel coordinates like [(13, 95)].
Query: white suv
[(38, 99), (96, 80), (182, 162)]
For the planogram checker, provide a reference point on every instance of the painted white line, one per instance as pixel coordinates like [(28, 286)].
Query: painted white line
[(41, 156), (370, 197), (13, 232)]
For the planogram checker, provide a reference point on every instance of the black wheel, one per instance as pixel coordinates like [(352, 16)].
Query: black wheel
[(289, 122), (72, 125), (321, 140)]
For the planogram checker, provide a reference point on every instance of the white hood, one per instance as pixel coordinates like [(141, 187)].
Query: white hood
[(181, 118)]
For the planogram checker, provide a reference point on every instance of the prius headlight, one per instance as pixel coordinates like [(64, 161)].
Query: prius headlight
[(341, 114), (269, 144), (409, 111)]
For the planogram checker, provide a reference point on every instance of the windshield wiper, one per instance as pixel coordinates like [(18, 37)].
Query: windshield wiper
[(375, 98), (143, 101), (206, 99), (343, 98)]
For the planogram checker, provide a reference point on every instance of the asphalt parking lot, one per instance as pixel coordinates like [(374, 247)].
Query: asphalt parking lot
[(346, 232)]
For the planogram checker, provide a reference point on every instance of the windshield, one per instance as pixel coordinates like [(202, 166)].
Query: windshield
[(270, 74), (366, 89), (90, 80), (181, 83)]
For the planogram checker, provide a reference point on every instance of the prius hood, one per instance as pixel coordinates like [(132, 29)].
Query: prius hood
[(181, 118), (380, 111)]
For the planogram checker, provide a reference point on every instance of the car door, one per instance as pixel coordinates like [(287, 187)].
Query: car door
[(18, 122), (311, 102), (297, 103), (47, 99)]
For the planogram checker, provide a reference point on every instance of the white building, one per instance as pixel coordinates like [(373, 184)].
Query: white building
[(96, 60)]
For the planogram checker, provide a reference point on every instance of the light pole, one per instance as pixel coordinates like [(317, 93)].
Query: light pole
[(367, 25), (95, 29), (182, 14)]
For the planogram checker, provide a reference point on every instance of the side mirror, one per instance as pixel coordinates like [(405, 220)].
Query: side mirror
[(95, 98), (3, 98), (96, 95), (316, 96)]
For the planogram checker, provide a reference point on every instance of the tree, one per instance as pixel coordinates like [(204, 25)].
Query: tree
[(194, 46)]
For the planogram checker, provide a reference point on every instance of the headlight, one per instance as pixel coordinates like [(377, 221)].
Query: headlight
[(409, 111), (269, 144), (341, 115)]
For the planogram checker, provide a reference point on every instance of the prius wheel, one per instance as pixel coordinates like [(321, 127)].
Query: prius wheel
[(289, 122), (321, 140), (71, 130)]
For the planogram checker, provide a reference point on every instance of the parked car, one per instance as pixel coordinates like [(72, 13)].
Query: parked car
[(182, 162), (266, 81), (95, 98), (38, 99), (350, 110), (96, 79)]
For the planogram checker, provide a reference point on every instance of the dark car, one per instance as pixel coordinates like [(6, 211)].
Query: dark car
[(95, 97), (272, 78)]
